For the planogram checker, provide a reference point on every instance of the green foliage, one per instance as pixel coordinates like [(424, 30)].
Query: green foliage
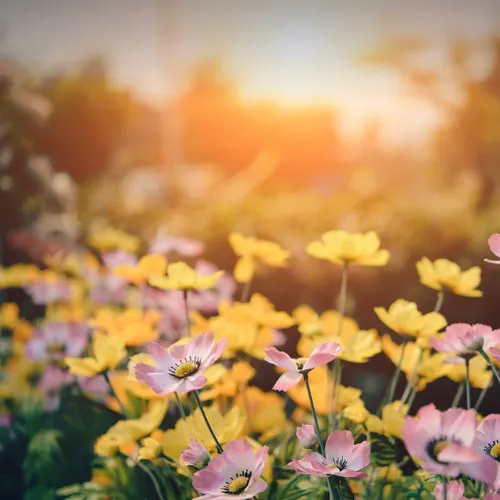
[(383, 450), (473, 489)]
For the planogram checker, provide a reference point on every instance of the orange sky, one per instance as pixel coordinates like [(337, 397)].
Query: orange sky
[(295, 52)]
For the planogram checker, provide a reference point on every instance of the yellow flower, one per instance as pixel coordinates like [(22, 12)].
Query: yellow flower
[(390, 474), (9, 315), (73, 264), (108, 351), (258, 310), (226, 428), (252, 251), (479, 375), (18, 275), (391, 423), (356, 412), (226, 383), (147, 267), (412, 354), (312, 324), (150, 449), (109, 239), (70, 312), (133, 326), (125, 431), (318, 379), (180, 276), (359, 347), (265, 412), (444, 274), (404, 318), (341, 247)]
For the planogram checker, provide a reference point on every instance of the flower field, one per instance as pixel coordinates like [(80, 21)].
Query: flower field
[(136, 369)]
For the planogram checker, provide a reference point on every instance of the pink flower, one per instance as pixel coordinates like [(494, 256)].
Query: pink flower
[(322, 355), (487, 441), (232, 474), (45, 292), (163, 244), (53, 379), (181, 368), (307, 436), (495, 353), (492, 496), (494, 244), (462, 339), (56, 340), (454, 491), (118, 258), (442, 441), (196, 455), (343, 458)]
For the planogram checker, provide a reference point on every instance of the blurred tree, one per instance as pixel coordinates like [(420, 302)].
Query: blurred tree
[(89, 120), (469, 141)]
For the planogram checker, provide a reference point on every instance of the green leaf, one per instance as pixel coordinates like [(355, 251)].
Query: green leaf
[(383, 451), (473, 488)]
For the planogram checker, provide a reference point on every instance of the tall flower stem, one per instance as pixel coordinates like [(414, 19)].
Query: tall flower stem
[(445, 493), (467, 383), (200, 406), (458, 395), (336, 366), (439, 301), (245, 292), (152, 477), (187, 332), (397, 373), (331, 487), (179, 406), (492, 365), (483, 395), (122, 408)]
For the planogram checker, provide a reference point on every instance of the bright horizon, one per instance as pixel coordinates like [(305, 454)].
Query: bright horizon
[(292, 53)]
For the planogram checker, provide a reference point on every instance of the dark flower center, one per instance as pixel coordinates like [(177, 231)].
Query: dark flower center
[(185, 368), (493, 450), (437, 445), (238, 483)]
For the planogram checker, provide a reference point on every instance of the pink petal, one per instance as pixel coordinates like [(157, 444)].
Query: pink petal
[(216, 352), (287, 380), (495, 353), (456, 453), (351, 473), (208, 481), (322, 355), (494, 244), (280, 358), (193, 383), (484, 470), (461, 424), (360, 456), (252, 490), (339, 444)]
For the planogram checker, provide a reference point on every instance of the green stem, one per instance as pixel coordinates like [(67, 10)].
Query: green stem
[(411, 400), (122, 408), (335, 374), (458, 395), (187, 332), (397, 373), (153, 479), (439, 301), (338, 365), (483, 395), (411, 381), (200, 406), (467, 383), (445, 493), (492, 365), (179, 405), (245, 292), (331, 488)]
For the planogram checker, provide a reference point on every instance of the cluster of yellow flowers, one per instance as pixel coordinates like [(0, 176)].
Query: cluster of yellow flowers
[(249, 325)]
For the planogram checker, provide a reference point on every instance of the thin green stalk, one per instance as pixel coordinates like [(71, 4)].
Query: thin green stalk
[(122, 408), (439, 301), (179, 406), (245, 292), (187, 332), (445, 493), (483, 395), (397, 373), (492, 365), (411, 400), (331, 488), (467, 383), (200, 406), (411, 380), (153, 479), (458, 395), (336, 367)]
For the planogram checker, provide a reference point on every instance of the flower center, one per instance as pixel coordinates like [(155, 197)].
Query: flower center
[(56, 348), (185, 368), (436, 446), (493, 450), (300, 362), (237, 483), (475, 344), (338, 463)]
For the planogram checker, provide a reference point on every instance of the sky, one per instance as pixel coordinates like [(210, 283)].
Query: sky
[(292, 52)]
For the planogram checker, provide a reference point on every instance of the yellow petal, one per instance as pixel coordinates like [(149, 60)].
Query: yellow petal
[(244, 270), (152, 265)]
